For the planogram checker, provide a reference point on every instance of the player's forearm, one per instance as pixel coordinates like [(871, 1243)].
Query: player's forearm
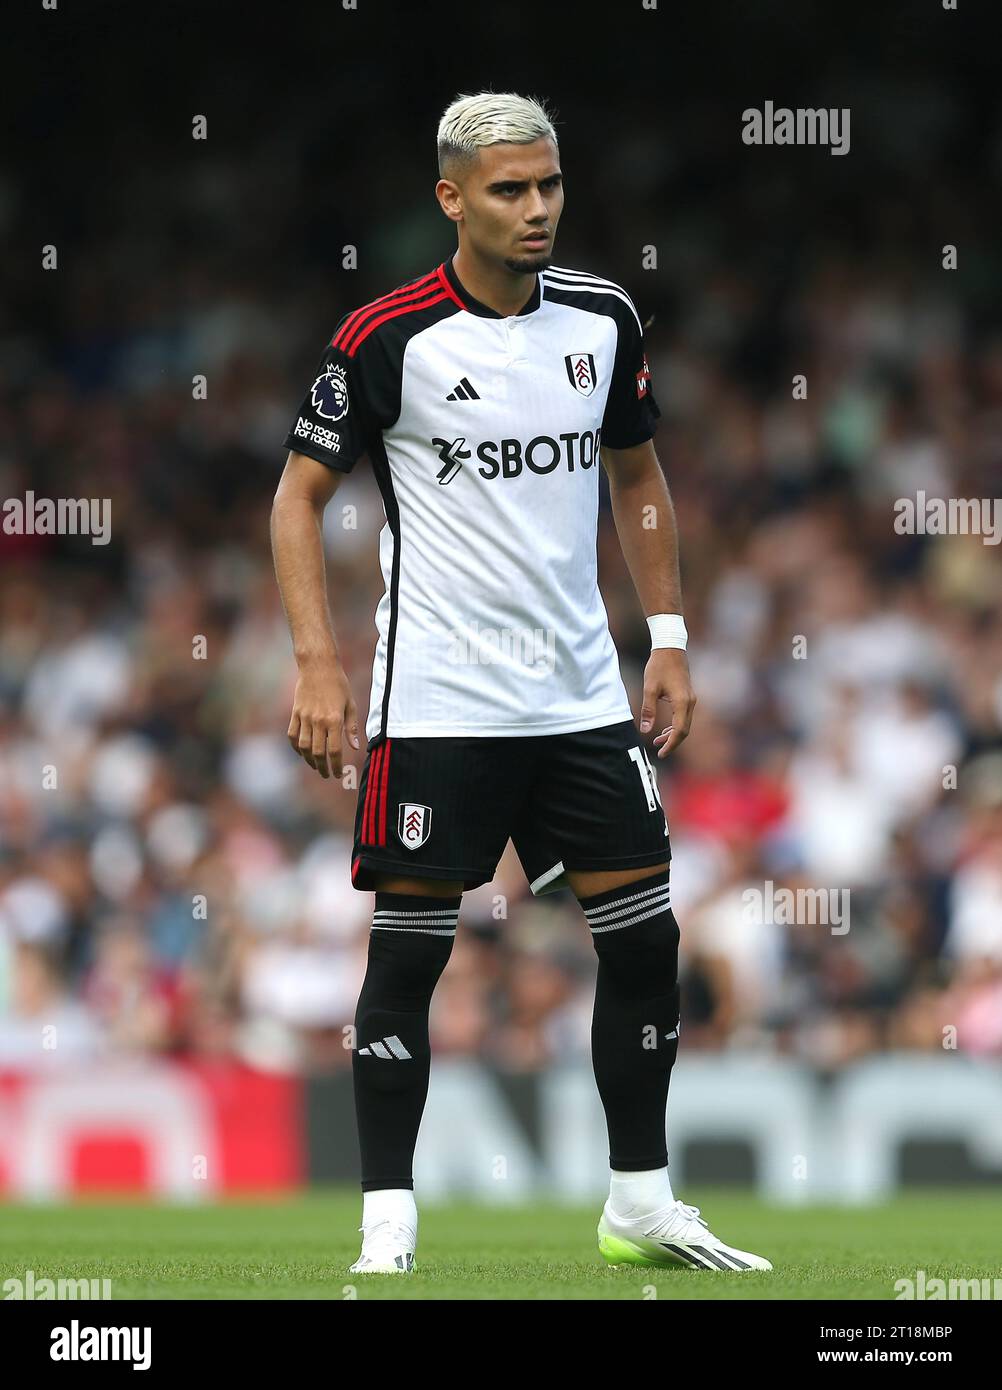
[(297, 547), (645, 521)]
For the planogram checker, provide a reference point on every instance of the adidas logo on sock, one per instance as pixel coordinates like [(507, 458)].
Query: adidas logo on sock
[(387, 1049), (463, 392)]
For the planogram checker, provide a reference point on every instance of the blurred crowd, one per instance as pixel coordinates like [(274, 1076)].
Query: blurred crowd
[(174, 879)]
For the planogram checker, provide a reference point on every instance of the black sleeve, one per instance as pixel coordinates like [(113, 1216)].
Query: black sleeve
[(631, 410), (335, 423)]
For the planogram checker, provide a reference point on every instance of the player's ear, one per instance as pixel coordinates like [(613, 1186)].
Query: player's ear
[(450, 199)]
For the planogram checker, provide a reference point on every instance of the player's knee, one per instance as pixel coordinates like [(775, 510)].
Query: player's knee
[(641, 960), (405, 963)]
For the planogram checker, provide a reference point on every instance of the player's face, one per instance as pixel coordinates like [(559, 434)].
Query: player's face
[(512, 201)]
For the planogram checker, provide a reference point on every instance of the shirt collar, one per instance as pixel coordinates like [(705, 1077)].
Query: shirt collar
[(447, 272)]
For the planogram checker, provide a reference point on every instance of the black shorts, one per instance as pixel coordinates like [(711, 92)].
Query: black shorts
[(446, 807)]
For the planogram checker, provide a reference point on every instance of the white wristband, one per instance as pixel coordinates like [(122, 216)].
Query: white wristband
[(667, 630)]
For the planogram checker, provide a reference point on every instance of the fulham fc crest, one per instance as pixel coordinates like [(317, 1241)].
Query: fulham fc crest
[(413, 824), (581, 371)]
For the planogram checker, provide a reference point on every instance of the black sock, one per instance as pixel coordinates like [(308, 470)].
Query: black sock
[(409, 946), (634, 1034)]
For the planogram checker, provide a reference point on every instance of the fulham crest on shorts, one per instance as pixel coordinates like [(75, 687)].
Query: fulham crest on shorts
[(413, 824)]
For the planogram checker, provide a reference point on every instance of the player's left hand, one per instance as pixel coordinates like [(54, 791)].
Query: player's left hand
[(666, 677)]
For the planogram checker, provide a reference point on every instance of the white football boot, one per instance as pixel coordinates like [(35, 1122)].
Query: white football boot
[(676, 1235), (387, 1248)]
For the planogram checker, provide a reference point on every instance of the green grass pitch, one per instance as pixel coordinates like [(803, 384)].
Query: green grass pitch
[(301, 1248)]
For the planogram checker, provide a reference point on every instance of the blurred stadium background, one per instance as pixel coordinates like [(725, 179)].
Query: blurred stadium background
[(177, 907)]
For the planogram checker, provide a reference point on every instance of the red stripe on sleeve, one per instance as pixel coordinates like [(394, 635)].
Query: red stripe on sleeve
[(363, 333), (394, 297)]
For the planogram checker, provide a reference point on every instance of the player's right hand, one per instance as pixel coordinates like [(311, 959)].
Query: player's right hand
[(323, 710)]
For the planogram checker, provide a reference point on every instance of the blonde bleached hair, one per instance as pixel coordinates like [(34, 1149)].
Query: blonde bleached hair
[(488, 118)]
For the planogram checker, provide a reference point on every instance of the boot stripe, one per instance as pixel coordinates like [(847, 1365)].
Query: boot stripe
[(684, 1255), (712, 1256)]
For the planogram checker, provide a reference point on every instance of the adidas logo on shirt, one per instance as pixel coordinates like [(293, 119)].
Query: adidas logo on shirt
[(463, 392), (387, 1050)]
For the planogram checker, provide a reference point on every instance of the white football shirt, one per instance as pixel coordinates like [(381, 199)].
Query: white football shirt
[(484, 433)]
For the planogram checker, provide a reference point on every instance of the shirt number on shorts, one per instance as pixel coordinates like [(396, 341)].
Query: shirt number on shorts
[(647, 777)]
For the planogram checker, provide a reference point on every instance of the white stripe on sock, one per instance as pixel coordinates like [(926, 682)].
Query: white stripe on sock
[(614, 911), (600, 908)]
